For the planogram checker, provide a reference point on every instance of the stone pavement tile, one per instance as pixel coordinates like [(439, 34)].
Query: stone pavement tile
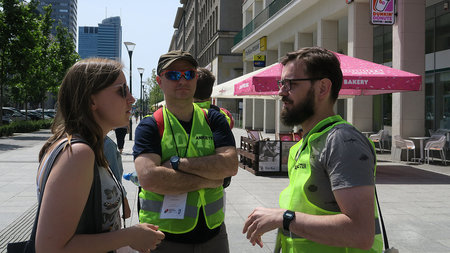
[(414, 203), (445, 242)]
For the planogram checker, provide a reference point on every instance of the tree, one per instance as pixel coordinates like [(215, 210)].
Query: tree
[(32, 61), (156, 94), (11, 22)]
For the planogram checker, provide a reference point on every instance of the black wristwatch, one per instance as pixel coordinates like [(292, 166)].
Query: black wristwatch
[(175, 160), (288, 216)]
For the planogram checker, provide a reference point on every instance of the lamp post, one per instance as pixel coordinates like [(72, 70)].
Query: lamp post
[(141, 72), (130, 47)]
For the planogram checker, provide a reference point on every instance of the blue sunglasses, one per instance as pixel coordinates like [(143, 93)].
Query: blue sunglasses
[(176, 75)]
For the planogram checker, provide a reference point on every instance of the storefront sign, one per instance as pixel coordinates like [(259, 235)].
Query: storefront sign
[(256, 47), (382, 12), (259, 60)]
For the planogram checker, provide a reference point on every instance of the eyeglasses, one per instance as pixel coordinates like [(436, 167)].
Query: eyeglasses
[(287, 83), (124, 90), (176, 75)]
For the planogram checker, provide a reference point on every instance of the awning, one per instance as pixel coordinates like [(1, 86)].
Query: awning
[(360, 78), (226, 89), (262, 83), (367, 78)]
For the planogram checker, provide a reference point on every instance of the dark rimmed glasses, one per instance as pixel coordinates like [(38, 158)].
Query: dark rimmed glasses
[(177, 75), (287, 83)]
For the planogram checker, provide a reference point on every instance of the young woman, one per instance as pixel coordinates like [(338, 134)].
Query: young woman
[(93, 99)]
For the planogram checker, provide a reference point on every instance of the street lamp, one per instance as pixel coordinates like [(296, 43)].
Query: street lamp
[(141, 72), (130, 47)]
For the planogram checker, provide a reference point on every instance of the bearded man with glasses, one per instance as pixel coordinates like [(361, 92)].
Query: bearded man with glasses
[(182, 155), (329, 205)]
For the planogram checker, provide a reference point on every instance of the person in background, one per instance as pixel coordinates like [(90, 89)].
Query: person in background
[(115, 164), (182, 170), (202, 95), (329, 205), (81, 201), (121, 132)]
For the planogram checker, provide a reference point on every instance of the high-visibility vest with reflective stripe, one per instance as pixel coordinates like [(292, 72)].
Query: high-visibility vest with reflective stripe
[(294, 197), (201, 143)]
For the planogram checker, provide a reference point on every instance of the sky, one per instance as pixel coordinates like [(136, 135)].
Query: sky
[(148, 23)]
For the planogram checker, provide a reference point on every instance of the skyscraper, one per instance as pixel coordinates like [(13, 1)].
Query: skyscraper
[(110, 38), (102, 41), (64, 11), (88, 41)]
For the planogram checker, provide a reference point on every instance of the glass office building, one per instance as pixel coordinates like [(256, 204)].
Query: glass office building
[(64, 11), (88, 41), (110, 38), (102, 41)]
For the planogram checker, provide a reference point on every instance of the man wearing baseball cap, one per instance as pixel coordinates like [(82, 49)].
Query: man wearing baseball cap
[(182, 154)]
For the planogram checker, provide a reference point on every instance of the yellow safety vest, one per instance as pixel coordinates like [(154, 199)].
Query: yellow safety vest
[(201, 143), (294, 197), (207, 105)]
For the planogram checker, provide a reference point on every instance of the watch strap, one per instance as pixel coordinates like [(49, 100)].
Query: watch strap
[(288, 217)]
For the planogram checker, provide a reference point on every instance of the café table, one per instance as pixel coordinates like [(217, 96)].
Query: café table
[(421, 139), (367, 134)]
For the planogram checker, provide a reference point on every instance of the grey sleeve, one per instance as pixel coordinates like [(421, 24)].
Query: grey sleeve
[(348, 158)]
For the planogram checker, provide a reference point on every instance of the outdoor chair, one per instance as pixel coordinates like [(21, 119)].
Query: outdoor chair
[(284, 137), (400, 143), (256, 135), (436, 142), (378, 138)]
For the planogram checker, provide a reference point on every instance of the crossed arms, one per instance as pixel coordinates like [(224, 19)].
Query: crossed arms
[(193, 173)]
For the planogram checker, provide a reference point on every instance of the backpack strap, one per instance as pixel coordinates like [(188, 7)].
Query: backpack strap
[(158, 116), (206, 117)]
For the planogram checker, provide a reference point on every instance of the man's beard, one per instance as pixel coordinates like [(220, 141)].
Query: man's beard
[(300, 112)]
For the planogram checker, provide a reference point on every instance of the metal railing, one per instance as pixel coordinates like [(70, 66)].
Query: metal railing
[(260, 19)]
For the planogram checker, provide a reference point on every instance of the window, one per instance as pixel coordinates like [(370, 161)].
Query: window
[(443, 32), (443, 103), (429, 36), (382, 44)]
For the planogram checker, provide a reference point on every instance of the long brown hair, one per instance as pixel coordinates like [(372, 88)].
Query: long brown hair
[(74, 115)]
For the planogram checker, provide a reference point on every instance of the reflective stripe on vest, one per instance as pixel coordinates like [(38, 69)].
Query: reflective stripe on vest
[(156, 206), (199, 143), (294, 197), (191, 211)]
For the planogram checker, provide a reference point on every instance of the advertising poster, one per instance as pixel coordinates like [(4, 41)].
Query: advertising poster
[(285, 147), (269, 156), (382, 12)]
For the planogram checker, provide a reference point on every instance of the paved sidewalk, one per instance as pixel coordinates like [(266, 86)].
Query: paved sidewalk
[(414, 198)]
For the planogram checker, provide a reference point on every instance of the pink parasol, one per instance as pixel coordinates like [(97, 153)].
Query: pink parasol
[(360, 78)]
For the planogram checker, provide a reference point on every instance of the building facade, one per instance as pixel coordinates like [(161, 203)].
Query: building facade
[(64, 11), (87, 41), (418, 42), (102, 41), (206, 29)]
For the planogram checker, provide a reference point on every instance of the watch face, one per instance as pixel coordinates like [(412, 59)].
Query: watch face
[(174, 159), (289, 215)]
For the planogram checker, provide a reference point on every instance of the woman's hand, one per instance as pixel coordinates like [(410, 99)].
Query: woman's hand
[(145, 237)]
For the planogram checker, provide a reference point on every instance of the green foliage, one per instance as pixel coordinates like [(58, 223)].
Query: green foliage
[(32, 60), (156, 94), (24, 126)]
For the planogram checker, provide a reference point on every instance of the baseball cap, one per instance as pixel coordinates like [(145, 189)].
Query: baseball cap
[(166, 59)]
